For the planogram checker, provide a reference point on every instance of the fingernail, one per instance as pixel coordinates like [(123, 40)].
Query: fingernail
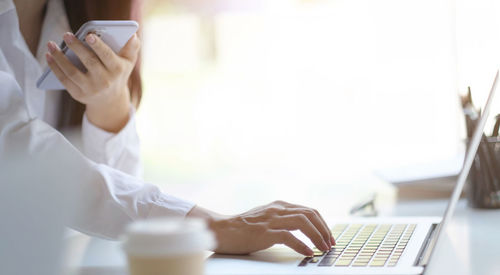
[(325, 246), (90, 39), (68, 38), (52, 47), (49, 58), (333, 240)]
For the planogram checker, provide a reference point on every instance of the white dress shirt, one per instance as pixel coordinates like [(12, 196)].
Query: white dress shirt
[(112, 198)]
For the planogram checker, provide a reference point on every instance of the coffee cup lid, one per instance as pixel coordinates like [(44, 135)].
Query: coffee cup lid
[(167, 236)]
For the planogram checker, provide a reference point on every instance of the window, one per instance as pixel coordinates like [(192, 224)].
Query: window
[(301, 91)]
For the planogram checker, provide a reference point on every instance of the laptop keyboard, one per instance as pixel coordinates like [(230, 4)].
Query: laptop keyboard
[(360, 245)]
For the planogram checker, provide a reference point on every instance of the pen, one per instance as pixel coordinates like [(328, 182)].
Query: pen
[(486, 162), (497, 126), (489, 164), (476, 181), (471, 116)]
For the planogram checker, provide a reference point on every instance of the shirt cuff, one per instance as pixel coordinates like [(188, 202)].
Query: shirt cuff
[(102, 146), (169, 206)]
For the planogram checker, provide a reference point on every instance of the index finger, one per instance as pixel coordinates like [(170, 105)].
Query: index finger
[(86, 56), (302, 223), (316, 218), (130, 50), (103, 51), (288, 239), (319, 222)]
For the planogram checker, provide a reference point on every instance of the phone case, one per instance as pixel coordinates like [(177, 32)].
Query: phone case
[(114, 33)]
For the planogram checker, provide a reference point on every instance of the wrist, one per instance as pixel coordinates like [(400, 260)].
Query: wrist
[(216, 222), (209, 216), (110, 115)]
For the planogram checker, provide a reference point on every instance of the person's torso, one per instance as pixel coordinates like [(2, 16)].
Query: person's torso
[(17, 59)]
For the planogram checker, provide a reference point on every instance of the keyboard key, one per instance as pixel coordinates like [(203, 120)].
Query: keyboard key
[(305, 261), (377, 263), (363, 260), (350, 252), (343, 262), (317, 252), (327, 261), (366, 253), (383, 253)]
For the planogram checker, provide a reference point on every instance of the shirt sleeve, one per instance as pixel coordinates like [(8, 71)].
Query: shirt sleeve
[(110, 199), (120, 151)]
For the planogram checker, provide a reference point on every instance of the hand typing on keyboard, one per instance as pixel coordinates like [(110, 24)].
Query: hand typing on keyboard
[(264, 226)]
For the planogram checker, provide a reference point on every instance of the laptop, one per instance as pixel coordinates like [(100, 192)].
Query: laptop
[(364, 245)]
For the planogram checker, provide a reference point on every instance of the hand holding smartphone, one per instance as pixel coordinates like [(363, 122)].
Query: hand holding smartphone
[(114, 33)]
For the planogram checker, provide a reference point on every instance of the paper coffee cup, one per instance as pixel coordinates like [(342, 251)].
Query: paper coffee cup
[(172, 246)]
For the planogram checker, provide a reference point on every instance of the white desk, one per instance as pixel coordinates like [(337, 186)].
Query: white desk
[(472, 241), (471, 246)]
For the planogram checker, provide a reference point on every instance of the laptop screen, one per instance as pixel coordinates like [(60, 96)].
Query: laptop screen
[(468, 161)]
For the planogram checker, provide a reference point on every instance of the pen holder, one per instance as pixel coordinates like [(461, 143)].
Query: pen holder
[(483, 189)]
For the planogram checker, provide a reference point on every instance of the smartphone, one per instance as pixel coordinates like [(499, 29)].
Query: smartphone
[(114, 33)]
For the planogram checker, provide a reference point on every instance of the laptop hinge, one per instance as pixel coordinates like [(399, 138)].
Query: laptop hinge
[(426, 249)]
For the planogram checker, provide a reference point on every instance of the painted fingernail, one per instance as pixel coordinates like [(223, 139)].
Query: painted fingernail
[(49, 58), (333, 240), (90, 38), (52, 47), (68, 38)]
